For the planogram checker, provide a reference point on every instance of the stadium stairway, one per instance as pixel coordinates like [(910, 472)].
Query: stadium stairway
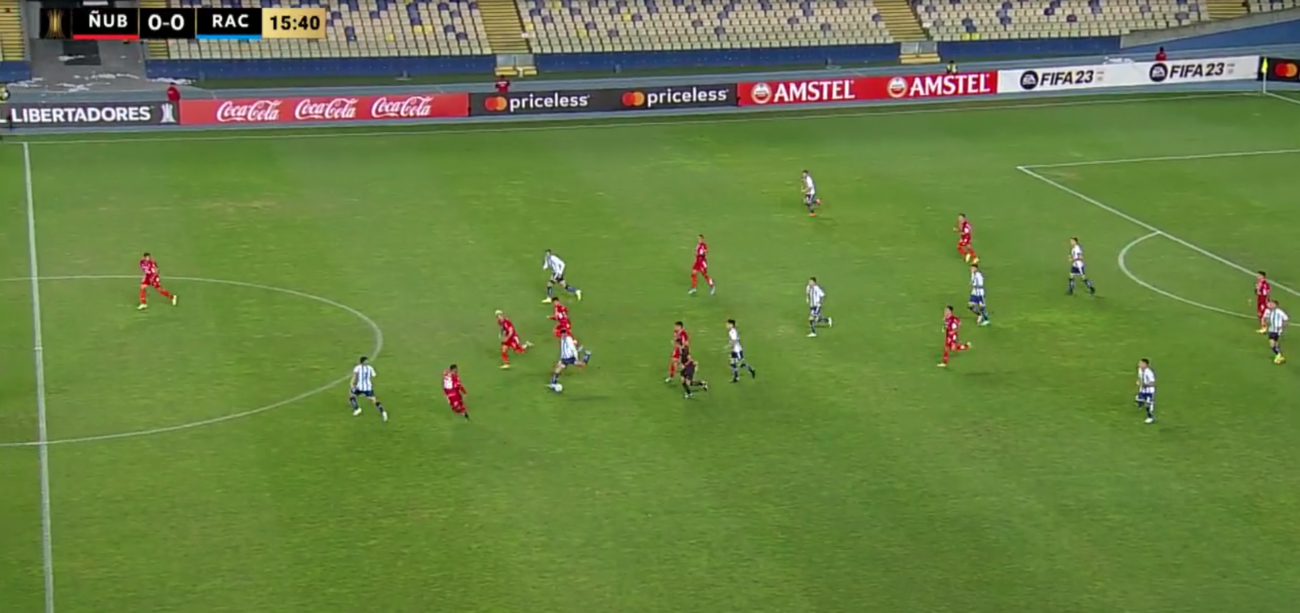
[(155, 49), (11, 31), (901, 20), (1219, 10), (502, 25)]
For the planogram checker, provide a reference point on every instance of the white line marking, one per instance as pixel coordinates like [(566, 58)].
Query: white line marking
[(1167, 158), (1282, 98), (1123, 266), (38, 352), (606, 123), (1114, 211), (374, 353)]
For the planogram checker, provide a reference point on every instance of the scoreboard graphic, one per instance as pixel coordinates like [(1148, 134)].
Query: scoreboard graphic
[(109, 23)]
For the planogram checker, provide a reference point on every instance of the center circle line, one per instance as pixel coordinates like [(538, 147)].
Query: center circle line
[(374, 327)]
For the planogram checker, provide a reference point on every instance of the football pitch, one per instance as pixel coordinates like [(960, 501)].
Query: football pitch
[(202, 458)]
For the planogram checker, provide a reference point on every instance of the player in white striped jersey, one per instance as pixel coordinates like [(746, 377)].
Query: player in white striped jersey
[(1275, 320), (815, 296), (977, 304), (737, 353), (554, 264), (1146, 392), (810, 198), (363, 384), (568, 357), (1077, 268)]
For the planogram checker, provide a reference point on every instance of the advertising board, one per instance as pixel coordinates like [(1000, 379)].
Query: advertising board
[(1127, 74), (859, 89), (554, 102), (92, 114), (1279, 69), (323, 109)]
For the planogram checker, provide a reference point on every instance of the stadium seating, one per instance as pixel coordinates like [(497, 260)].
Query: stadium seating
[(1264, 6), (11, 31), (356, 28), (1020, 19), (570, 26)]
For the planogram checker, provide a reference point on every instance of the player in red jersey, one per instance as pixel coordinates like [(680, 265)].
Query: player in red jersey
[(149, 267), (560, 315), (701, 266), (454, 391), (963, 242), (681, 341), (564, 327), (509, 339), (1263, 293), (951, 323)]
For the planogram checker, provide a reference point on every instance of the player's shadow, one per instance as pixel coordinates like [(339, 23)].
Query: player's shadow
[(589, 398)]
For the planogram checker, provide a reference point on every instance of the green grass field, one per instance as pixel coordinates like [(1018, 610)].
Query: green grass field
[(851, 475)]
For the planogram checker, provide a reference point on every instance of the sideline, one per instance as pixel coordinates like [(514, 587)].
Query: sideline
[(374, 353), (713, 116), (38, 353)]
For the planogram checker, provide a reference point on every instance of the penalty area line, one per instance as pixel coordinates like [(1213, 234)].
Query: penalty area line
[(1165, 158), (1123, 267), (1138, 222)]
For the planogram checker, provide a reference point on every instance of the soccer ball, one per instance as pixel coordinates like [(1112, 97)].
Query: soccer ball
[(557, 388)]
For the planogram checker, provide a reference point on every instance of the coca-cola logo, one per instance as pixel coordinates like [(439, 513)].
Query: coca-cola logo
[(255, 111), (403, 108), (329, 110), (413, 106)]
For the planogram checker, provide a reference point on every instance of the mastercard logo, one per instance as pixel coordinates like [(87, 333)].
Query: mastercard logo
[(1286, 70), (495, 104), (633, 99)]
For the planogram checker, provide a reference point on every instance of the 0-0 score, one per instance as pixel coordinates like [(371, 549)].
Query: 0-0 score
[(176, 22)]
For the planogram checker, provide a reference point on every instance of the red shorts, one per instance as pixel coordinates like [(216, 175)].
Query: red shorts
[(456, 401), (964, 242), (700, 266), (512, 343), (1261, 305), (562, 329), (951, 343), (677, 354), (151, 281)]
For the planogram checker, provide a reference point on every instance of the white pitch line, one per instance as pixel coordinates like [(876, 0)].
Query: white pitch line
[(374, 353), (1114, 211), (606, 124), (1167, 158), (38, 352), (1282, 98), (1123, 267)]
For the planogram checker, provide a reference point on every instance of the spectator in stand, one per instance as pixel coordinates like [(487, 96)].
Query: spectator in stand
[(1160, 55), (4, 107), (503, 85), (173, 94)]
